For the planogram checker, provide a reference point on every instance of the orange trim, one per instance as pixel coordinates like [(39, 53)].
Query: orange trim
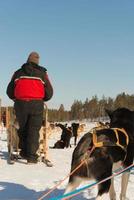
[(101, 144), (95, 142), (117, 136)]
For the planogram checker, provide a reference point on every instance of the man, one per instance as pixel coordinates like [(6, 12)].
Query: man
[(29, 88)]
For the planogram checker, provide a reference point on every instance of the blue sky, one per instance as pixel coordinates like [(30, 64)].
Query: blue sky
[(86, 45)]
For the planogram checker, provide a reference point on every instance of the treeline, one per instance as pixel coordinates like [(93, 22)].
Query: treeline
[(92, 108)]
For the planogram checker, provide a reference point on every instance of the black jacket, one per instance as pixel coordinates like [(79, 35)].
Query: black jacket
[(30, 71)]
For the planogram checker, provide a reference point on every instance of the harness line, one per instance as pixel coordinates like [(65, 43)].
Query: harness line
[(101, 144), (81, 163), (78, 191), (95, 145)]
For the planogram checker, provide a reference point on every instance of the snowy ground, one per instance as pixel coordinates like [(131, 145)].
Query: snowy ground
[(30, 182)]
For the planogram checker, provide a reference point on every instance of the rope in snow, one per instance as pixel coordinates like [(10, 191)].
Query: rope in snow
[(78, 191), (51, 190)]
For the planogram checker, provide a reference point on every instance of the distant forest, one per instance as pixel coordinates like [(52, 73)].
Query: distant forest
[(90, 109)]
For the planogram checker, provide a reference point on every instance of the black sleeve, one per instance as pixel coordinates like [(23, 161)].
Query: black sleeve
[(10, 89), (48, 89)]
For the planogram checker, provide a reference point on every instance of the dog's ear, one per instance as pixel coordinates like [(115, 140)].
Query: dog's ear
[(109, 112)]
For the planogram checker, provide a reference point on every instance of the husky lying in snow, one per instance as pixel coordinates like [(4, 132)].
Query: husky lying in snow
[(111, 146)]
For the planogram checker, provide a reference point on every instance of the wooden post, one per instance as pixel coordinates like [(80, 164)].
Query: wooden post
[(45, 140), (0, 113), (7, 117), (45, 132)]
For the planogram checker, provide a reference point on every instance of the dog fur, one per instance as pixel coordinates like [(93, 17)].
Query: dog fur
[(75, 127), (100, 163), (66, 135), (12, 136)]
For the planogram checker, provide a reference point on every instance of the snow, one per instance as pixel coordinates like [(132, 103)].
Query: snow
[(30, 182)]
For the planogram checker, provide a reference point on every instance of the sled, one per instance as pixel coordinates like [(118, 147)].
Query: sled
[(43, 151), (12, 137), (13, 140)]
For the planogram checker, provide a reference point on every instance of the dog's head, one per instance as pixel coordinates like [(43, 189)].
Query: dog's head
[(123, 118)]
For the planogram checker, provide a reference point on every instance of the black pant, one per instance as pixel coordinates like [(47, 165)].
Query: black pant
[(30, 116)]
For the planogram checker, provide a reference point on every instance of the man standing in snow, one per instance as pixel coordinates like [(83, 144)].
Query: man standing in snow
[(29, 88)]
